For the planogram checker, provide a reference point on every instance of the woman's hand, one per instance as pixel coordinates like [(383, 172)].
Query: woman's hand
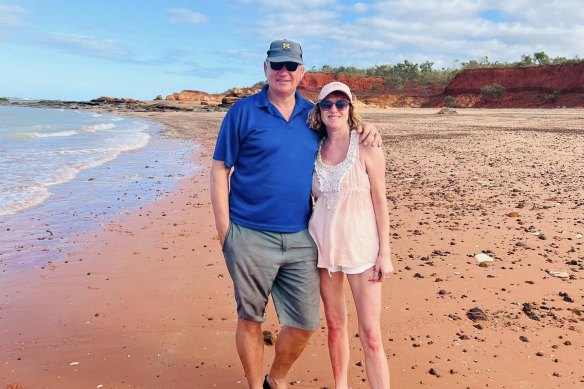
[(383, 269)]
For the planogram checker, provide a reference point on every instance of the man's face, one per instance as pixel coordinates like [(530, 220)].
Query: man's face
[(283, 81)]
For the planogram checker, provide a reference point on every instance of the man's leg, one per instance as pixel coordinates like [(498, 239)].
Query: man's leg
[(290, 344), (250, 347), (296, 297)]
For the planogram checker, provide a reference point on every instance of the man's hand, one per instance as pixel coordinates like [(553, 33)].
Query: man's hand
[(369, 134)]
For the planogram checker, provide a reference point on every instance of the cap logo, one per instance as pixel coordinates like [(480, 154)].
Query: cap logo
[(286, 45)]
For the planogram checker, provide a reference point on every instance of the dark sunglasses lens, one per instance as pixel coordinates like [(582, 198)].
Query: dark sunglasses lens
[(342, 104), (276, 65), (325, 105), (290, 66)]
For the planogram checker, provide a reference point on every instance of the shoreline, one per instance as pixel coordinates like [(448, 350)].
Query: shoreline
[(36, 236), (147, 301)]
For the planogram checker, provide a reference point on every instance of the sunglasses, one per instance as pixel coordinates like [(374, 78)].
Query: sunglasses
[(341, 105), (290, 66)]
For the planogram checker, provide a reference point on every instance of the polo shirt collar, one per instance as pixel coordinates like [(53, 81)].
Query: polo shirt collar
[(301, 103)]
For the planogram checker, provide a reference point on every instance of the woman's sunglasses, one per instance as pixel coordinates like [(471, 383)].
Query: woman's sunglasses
[(290, 66), (326, 105)]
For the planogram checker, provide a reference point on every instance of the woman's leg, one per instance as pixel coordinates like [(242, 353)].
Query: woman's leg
[(335, 311), (367, 296)]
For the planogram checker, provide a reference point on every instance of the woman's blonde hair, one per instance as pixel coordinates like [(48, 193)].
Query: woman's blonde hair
[(314, 120)]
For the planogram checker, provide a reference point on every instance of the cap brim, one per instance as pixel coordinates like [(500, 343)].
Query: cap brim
[(286, 59)]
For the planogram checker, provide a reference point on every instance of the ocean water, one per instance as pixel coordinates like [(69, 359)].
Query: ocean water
[(64, 171), (40, 148)]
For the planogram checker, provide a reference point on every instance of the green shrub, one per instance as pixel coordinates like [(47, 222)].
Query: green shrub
[(449, 102), (552, 97), (493, 91)]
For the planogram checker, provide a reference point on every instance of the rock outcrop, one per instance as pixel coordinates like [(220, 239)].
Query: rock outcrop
[(564, 78), (548, 86), (115, 100), (545, 86), (194, 96), (375, 91), (361, 86), (525, 87), (203, 98)]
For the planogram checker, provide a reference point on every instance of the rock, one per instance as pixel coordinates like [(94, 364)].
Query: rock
[(269, 338), (433, 372), (195, 96), (513, 214), (558, 273), (527, 309), (446, 111), (482, 257), (566, 298), (475, 314), (114, 100), (229, 100)]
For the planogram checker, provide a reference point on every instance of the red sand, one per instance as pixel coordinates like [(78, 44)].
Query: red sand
[(146, 302)]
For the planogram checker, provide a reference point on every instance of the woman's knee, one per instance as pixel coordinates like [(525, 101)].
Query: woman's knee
[(371, 339), (336, 321)]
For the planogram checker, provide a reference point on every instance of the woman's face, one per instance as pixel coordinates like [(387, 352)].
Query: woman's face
[(335, 117)]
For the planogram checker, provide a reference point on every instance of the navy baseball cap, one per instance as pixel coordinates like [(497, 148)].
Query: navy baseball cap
[(285, 51)]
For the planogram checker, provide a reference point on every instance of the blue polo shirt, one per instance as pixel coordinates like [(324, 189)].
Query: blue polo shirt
[(273, 160)]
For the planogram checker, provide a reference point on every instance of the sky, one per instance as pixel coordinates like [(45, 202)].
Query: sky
[(81, 50)]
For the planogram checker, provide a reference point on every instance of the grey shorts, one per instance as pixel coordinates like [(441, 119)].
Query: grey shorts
[(281, 264)]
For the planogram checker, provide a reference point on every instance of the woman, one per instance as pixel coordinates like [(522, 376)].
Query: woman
[(350, 225)]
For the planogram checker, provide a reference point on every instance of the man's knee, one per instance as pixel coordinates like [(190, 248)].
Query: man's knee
[(248, 325), (298, 333)]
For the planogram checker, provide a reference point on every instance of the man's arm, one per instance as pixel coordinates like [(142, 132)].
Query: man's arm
[(220, 197)]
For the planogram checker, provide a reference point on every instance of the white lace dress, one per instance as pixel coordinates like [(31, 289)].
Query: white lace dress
[(343, 220)]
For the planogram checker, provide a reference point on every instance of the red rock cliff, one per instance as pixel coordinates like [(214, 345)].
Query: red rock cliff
[(564, 78), (360, 86), (526, 87)]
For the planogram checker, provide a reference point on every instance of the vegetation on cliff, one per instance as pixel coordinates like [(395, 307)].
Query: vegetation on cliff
[(408, 72), (493, 91)]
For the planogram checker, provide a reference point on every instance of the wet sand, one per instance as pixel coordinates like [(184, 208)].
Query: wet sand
[(146, 302)]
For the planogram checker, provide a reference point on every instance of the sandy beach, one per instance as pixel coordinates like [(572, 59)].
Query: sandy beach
[(487, 224)]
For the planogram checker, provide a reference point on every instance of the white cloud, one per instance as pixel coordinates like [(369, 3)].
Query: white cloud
[(185, 16), (360, 7), (297, 25), (443, 32), (10, 16), (84, 45)]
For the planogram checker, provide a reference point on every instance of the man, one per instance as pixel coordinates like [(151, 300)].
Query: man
[(262, 211)]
